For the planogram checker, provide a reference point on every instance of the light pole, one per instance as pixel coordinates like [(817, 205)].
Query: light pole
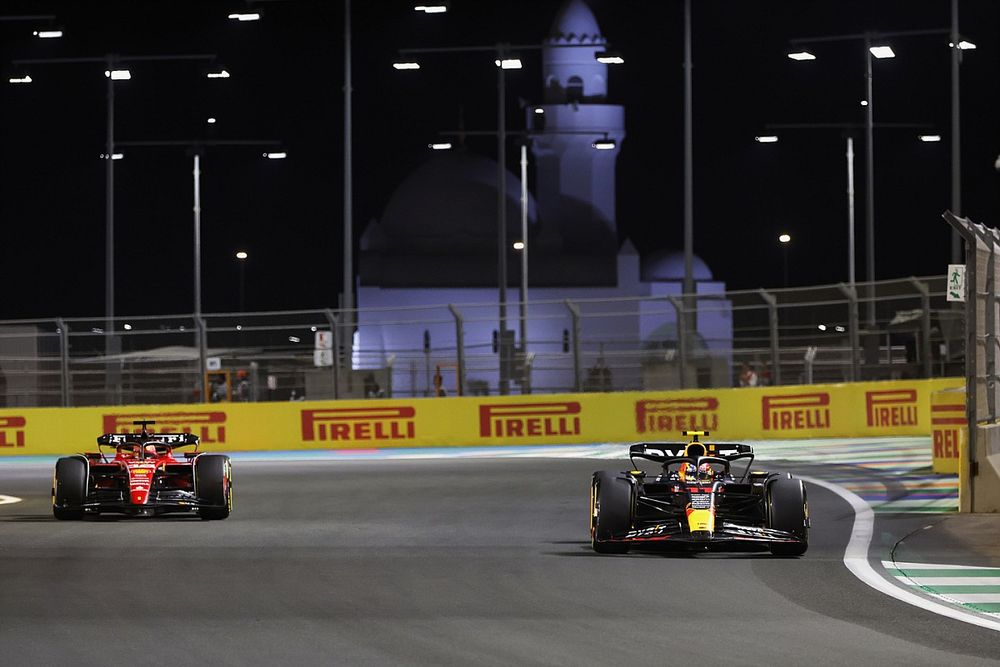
[(875, 47), (241, 259), (784, 240), (504, 59)]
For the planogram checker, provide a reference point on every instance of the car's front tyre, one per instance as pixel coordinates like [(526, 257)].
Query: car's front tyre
[(788, 511), (213, 475), (610, 512), (69, 488)]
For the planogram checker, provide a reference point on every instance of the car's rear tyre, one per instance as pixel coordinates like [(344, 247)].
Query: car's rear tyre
[(213, 475), (788, 510), (69, 488), (610, 512)]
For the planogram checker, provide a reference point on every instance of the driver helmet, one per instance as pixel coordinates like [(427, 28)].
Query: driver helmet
[(706, 472), (150, 450)]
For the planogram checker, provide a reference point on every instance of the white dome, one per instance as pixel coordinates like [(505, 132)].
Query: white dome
[(668, 265)]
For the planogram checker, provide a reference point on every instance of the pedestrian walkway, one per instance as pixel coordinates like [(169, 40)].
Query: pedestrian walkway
[(972, 587)]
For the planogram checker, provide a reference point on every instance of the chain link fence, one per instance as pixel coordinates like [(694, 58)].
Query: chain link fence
[(833, 333)]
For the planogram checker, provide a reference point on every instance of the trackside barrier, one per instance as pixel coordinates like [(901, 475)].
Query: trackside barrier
[(949, 429), (813, 411)]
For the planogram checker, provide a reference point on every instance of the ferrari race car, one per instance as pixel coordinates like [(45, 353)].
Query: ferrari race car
[(143, 478), (696, 501)]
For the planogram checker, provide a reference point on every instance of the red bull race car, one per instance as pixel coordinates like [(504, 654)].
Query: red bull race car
[(143, 477), (697, 501)]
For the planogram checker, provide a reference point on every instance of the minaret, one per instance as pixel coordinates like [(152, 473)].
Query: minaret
[(575, 182)]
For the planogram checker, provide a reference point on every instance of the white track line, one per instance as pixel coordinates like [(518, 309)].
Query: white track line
[(903, 565), (7, 500), (856, 560)]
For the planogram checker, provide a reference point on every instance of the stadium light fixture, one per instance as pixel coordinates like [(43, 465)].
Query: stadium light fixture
[(766, 139), (839, 329), (801, 55), (114, 156), (508, 63), (245, 16), (441, 146), (784, 238), (217, 72), (406, 65), (23, 78), (118, 74), (294, 339), (964, 45), (604, 144), (609, 58), (539, 110), (48, 33), (211, 120), (930, 138), (882, 52), (281, 155), (518, 245), (864, 103), (241, 254), (436, 8), (821, 327)]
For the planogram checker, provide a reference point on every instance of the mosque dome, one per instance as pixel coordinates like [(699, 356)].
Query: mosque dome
[(668, 265), (452, 198), (576, 23)]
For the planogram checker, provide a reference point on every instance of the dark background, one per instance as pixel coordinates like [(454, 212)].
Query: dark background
[(287, 78)]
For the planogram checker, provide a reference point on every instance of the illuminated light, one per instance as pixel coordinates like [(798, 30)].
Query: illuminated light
[(128, 327), (801, 55), (604, 144), (239, 327), (97, 330), (408, 65), (539, 110), (518, 245), (784, 238), (20, 79), (839, 329), (822, 327), (242, 254), (114, 156), (964, 45), (118, 74), (276, 156), (443, 146), (54, 34), (609, 58), (508, 63), (930, 138), (220, 74), (864, 103), (294, 339), (313, 329), (250, 16), (431, 9), (882, 52), (766, 139), (211, 121)]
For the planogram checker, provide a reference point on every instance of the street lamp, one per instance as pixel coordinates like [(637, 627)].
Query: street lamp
[(241, 257), (784, 240)]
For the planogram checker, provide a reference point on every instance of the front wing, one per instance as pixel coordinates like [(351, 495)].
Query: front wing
[(672, 532)]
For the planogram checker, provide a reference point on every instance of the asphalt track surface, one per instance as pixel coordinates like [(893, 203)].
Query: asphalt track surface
[(433, 562)]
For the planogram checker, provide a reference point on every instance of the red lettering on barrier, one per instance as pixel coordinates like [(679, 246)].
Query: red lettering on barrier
[(368, 423), (891, 407), (796, 411), (12, 431), (210, 427), (529, 419), (677, 414)]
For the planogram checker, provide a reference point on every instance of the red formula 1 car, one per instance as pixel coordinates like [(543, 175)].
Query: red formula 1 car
[(143, 478)]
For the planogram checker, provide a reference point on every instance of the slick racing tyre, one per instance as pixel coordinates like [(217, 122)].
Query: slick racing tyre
[(213, 479), (69, 488), (610, 512), (788, 510)]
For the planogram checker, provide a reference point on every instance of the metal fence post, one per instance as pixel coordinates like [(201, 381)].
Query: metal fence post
[(989, 313), (459, 348), (681, 339), (772, 321), (335, 352), (574, 312), (202, 333), (64, 360), (853, 335), (925, 325)]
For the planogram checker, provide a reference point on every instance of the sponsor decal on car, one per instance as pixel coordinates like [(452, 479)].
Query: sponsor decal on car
[(511, 420), (209, 426), (12, 431), (368, 423), (670, 415), (796, 411), (895, 407)]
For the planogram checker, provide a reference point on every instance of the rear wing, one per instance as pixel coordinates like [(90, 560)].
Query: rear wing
[(663, 452), (172, 439)]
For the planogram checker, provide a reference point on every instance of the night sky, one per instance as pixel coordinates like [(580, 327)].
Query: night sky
[(287, 76)]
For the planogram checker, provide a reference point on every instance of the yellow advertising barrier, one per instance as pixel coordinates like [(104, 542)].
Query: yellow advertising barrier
[(949, 429), (758, 413)]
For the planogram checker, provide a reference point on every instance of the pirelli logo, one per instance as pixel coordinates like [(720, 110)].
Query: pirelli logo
[(526, 420), (677, 414), (12, 431), (948, 425), (209, 426), (894, 407), (359, 424), (796, 411)]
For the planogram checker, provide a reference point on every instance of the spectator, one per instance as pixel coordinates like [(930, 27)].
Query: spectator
[(243, 386), (748, 376)]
